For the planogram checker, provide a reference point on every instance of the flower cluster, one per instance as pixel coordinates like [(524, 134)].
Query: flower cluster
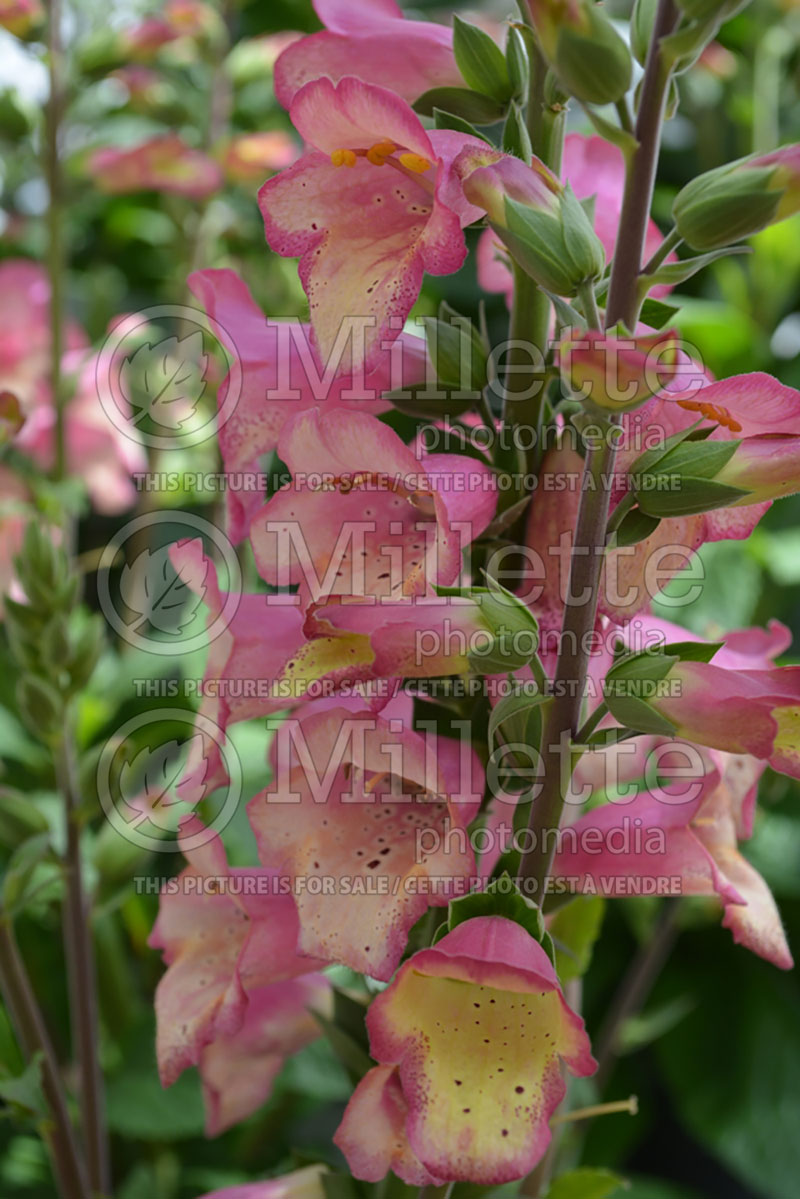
[(382, 571)]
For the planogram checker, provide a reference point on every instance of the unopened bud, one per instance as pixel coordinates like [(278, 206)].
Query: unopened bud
[(737, 200), (584, 49)]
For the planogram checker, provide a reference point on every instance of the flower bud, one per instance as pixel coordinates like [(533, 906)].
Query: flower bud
[(617, 373), (739, 199), (584, 49), (539, 219)]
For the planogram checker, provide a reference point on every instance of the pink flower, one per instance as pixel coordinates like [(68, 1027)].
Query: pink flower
[(593, 167), (23, 18), (693, 840), (365, 234), (280, 378), (301, 1184), (372, 41), (238, 1070), (363, 516), (469, 1037), (164, 163), (361, 802), (755, 409), (227, 936), (251, 156)]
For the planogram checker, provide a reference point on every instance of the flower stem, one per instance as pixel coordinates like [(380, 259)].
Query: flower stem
[(55, 241), (79, 952), (670, 243), (34, 1040), (589, 541)]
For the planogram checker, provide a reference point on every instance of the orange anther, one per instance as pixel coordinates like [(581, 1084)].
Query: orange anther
[(343, 158), (382, 150), (415, 163)]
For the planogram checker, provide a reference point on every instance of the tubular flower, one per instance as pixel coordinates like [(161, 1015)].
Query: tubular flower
[(280, 379), (475, 1027), (397, 526), (163, 163), (740, 711), (238, 1070), (376, 814), (365, 234), (691, 844), (375, 42), (225, 934), (754, 411)]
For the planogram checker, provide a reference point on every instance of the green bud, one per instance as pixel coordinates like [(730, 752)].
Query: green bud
[(559, 250), (480, 61), (584, 49), (729, 203), (514, 628)]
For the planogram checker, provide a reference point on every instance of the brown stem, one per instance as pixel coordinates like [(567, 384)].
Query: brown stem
[(34, 1040), (635, 987), (79, 951)]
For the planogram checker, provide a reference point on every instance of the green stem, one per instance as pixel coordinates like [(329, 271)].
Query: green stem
[(588, 727), (34, 1040), (564, 710), (530, 314), (55, 241), (670, 243), (81, 973), (589, 305)]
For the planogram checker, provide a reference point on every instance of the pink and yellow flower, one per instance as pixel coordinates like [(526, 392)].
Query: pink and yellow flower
[(360, 803), (369, 207), (164, 163), (469, 1038)]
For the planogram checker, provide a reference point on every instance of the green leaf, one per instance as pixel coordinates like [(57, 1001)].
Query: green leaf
[(480, 60), (657, 314), (635, 527), (448, 120), (139, 1108), (574, 929), (585, 1183), (678, 272), (461, 102), (21, 868), (20, 818), (693, 496), (518, 717), (457, 351), (24, 1092)]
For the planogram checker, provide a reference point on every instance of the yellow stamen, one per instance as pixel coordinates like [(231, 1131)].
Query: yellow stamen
[(415, 163), (343, 158), (382, 150), (713, 412)]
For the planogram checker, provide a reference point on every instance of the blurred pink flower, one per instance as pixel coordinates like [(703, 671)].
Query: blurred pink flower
[(302, 1184), (164, 163), (23, 18), (251, 156)]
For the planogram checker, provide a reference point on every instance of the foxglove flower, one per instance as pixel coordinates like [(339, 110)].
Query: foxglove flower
[(476, 1028), (369, 207)]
